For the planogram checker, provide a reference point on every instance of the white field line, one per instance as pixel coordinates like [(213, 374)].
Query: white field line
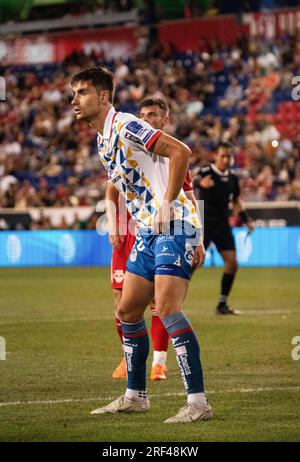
[(266, 312), (163, 395)]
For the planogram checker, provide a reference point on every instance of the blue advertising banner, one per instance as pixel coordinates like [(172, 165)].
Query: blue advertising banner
[(53, 248), (265, 247)]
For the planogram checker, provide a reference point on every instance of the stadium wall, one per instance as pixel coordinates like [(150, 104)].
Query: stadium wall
[(122, 41), (266, 247)]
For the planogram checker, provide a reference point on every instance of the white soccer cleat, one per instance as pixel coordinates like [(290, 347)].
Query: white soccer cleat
[(123, 404), (191, 413)]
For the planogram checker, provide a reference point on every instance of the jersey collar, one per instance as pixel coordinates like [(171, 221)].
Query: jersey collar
[(218, 172), (110, 116)]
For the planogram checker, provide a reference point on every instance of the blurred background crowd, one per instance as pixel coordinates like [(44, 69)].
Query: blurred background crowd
[(240, 94)]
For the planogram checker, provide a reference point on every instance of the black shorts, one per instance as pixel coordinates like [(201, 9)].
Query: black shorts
[(221, 237)]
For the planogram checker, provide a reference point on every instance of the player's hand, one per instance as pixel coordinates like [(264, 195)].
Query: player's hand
[(250, 226), (199, 256), (114, 240), (163, 217), (207, 182)]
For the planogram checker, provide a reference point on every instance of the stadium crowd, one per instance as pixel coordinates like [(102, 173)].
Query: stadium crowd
[(216, 93)]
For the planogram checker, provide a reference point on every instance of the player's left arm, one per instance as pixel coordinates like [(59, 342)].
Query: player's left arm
[(111, 199), (239, 207)]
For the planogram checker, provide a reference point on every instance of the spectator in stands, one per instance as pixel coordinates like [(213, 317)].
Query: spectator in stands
[(233, 95)]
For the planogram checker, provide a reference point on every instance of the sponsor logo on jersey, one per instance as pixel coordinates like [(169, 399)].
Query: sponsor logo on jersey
[(165, 248), (189, 253), (134, 127), (165, 254), (133, 255), (133, 138), (165, 238), (119, 276), (116, 179), (177, 262), (143, 131)]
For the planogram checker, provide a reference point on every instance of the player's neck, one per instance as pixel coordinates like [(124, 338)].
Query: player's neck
[(221, 168), (98, 121)]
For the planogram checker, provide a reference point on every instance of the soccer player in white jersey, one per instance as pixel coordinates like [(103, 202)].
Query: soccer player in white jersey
[(148, 168), (155, 111)]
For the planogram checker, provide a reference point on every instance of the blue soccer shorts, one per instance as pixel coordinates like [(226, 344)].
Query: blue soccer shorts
[(164, 254)]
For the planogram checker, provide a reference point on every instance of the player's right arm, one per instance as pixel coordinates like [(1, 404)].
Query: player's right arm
[(111, 198), (179, 156), (142, 136)]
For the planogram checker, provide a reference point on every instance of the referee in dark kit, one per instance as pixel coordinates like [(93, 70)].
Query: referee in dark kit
[(218, 186)]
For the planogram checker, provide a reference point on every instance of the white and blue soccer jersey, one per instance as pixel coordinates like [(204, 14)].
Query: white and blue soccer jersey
[(138, 174)]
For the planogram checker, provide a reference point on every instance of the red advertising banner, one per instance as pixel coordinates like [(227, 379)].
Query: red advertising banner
[(53, 48), (122, 41), (271, 25), (186, 34)]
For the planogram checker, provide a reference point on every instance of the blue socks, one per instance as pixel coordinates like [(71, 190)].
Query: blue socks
[(187, 351), (184, 340), (136, 349)]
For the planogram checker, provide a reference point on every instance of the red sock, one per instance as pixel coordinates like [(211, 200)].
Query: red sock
[(119, 329), (159, 334)]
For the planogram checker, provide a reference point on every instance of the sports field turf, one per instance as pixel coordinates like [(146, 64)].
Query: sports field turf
[(62, 348)]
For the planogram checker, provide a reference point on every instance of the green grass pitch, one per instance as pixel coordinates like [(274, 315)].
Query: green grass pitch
[(62, 347)]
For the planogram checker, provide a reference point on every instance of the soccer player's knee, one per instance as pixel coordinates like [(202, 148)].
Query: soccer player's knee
[(122, 313), (233, 266), (163, 309), (127, 315), (152, 305)]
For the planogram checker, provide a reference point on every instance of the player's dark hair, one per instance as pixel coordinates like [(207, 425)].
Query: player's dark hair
[(154, 102), (225, 145), (99, 77)]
